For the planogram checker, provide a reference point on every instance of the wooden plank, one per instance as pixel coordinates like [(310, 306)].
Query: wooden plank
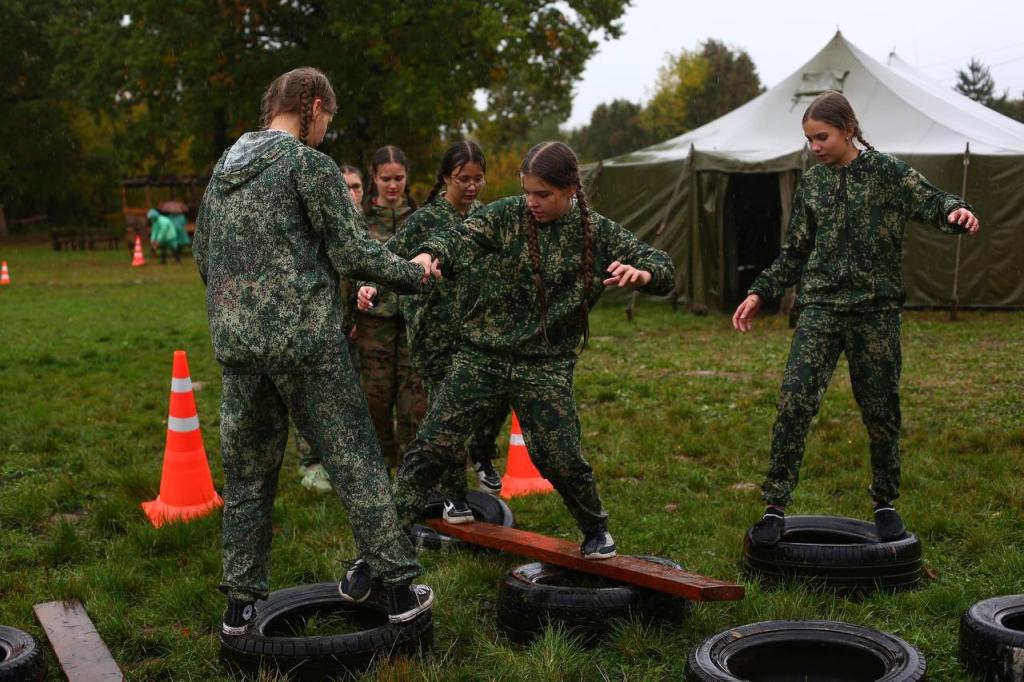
[(82, 654), (624, 569)]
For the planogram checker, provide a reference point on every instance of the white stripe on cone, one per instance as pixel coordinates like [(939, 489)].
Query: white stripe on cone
[(516, 439), (181, 385), (183, 425)]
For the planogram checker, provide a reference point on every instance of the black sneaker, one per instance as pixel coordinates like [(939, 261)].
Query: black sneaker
[(356, 585), (405, 602), (598, 544), (768, 531), (490, 481), (888, 523), (238, 616), (456, 512)]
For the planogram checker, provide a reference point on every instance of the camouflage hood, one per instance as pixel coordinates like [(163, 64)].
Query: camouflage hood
[(252, 154)]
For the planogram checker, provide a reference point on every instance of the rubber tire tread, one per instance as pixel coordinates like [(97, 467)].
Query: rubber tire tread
[(485, 507), (859, 564), (528, 602), (704, 662), (23, 658), (313, 657), (989, 649)]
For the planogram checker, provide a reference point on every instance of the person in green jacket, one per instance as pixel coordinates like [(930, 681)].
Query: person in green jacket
[(548, 256), (276, 231), (432, 320), (165, 235), (393, 388), (845, 248)]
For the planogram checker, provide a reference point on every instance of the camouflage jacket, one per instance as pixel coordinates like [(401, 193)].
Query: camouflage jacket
[(432, 320), (382, 223), (276, 230), (845, 238), (502, 312)]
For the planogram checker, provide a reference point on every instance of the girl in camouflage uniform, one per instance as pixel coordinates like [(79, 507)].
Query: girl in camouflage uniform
[(432, 320), (276, 231), (547, 258), (393, 388), (845, 247)]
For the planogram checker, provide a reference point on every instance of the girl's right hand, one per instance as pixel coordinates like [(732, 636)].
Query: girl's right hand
[(364, 298), (745, 312)]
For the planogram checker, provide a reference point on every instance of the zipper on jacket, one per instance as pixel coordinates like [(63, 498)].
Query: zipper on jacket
[(846, 229)]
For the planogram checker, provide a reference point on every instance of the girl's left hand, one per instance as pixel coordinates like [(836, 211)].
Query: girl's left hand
[(964, 218), (623, 275)]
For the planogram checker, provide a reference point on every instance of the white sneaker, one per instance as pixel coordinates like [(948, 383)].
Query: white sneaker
[(315, 478)]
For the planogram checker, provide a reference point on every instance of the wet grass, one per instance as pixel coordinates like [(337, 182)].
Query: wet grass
[(676, 413)]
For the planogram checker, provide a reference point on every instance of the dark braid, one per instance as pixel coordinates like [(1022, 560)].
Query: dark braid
[(587, 264), (306, 101), (455, 157), (533, 246), (860, 138)]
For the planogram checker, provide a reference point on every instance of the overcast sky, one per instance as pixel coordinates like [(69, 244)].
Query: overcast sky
[(937, 36)]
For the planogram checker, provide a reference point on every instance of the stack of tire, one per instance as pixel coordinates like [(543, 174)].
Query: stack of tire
[(835, 553), (992, 639), (276, 641), (538, 595), (21, 658), (485, 508)]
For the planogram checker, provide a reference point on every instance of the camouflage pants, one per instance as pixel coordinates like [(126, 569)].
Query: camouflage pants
[(393, 388), (871, 342), (330, 413), (307, 457), (477, 389)]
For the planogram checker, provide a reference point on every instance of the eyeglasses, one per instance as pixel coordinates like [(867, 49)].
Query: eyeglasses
[(464, 182)]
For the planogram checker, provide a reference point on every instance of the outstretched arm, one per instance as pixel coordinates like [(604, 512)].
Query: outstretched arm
[(926, 203)]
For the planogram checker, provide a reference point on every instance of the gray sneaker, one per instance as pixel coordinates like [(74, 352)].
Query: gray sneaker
[(355, 587), (456, 512), (598, 544), (490, 481)]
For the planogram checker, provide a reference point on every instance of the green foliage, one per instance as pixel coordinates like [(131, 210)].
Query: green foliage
[(696, 87), (975, 81), (615, 128), (676, 413)]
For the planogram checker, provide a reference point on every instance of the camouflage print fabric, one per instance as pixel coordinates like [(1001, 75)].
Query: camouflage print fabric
[(871, 341), (394, 390), (381, 224), (451, 480), (329, 411), (306, 455), (276, 231), (504, 313), (845, 238), (480, 386)]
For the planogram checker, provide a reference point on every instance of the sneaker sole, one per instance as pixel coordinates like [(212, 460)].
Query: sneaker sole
[(411, 615), (598, 555), (458, 520), (233, 632)]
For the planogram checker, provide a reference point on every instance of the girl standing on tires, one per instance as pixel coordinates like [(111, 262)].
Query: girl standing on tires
[(393, 388), (432, 320), (542, 260), (845, 247), (275, 233)]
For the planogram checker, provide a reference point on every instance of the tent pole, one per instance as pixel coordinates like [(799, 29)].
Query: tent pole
[(954, 308)]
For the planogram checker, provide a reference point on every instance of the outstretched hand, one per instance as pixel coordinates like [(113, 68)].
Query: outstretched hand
[(745, 312), (965, 219), (364, 298), (623, 275), (431, 267)]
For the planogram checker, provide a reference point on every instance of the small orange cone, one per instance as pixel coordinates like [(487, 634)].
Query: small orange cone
[(186, 487), (137, 258), (521, 476), (5, 278)]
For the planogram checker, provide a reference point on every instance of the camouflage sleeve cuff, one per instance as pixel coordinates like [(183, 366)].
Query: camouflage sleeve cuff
[(763, 290)]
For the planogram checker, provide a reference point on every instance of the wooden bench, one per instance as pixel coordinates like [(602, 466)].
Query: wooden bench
[(80, 240)]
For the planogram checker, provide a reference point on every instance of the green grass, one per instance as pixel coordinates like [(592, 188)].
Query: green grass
[(676, 412)]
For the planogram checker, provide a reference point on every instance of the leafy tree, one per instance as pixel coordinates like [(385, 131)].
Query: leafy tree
[(695, 88), (976, 82), (403, 72), (615, 128)]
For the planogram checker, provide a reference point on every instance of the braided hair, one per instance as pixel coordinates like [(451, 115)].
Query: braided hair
[(386, 154), (455, 157), (833, 108), (294, 93), (555, 163)]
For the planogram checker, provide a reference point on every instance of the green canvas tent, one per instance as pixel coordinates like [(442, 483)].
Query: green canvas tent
[(718, 198)]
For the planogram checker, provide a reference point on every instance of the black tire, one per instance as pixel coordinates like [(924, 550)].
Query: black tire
[(797, 650), (835, 553), (21, 657), (485, 508), (537, 594), (992, 639), (272, 645)]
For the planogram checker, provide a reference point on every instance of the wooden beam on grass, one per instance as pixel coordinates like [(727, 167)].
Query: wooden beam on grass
[(79, 649), (625, 569)]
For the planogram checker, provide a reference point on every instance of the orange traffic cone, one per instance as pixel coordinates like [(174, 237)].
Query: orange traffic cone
[(521, 476), (137, 258), (5, 278), (186, 487)]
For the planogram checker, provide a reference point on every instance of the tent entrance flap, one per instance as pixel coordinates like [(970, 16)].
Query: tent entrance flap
[(752, 222)]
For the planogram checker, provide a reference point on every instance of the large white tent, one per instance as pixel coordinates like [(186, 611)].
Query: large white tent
[(717, 198)]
